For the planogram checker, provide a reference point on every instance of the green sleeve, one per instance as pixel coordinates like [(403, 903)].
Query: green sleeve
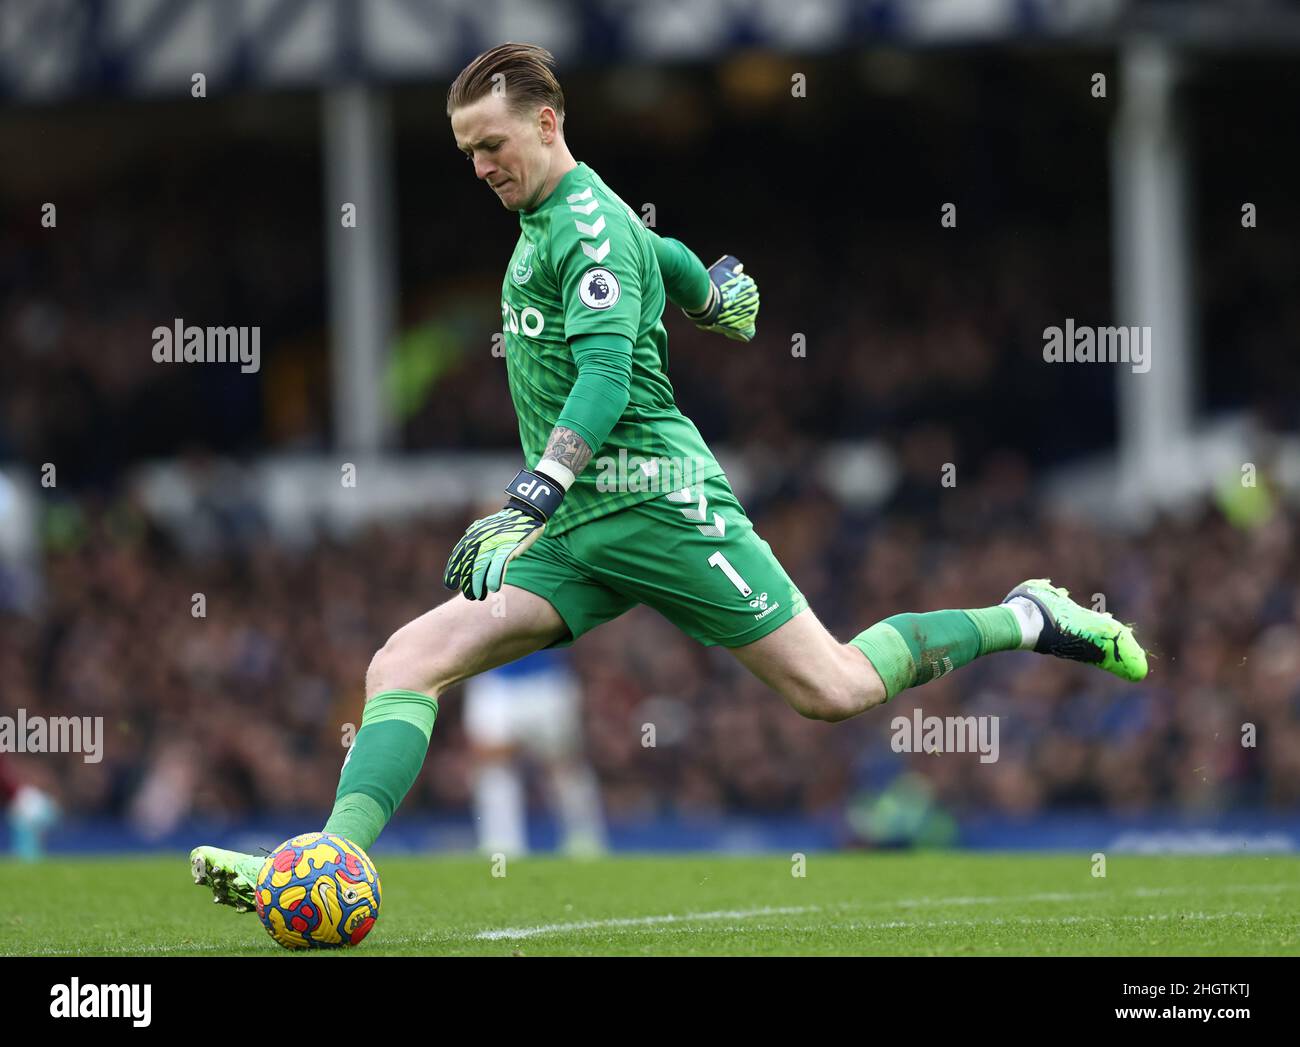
[(601, 272), (685, 278), (601, 393)]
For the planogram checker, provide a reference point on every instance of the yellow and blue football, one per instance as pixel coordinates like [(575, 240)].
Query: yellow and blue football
[(318, 891)]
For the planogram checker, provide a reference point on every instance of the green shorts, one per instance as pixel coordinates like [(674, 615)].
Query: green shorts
[(692, 555)]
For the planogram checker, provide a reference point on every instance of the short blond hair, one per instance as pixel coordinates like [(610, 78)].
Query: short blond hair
[(525, 74)]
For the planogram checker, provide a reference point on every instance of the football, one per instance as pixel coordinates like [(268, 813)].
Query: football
[(318, 891)]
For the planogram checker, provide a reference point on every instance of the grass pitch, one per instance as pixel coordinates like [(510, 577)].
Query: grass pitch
[(846, 904)]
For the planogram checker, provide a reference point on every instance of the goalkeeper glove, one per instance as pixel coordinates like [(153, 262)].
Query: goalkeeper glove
[(732, 307), (477, 566)]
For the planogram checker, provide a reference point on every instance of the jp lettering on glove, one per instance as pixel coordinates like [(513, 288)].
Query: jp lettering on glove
[(477, 566)]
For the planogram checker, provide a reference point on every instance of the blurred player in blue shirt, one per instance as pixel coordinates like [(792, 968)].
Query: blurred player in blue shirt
[(531, 708)]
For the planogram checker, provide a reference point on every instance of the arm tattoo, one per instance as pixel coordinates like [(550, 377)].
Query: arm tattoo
[(568, 448)]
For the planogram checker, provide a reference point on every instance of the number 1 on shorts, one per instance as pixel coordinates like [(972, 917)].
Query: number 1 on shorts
[(718, 560)]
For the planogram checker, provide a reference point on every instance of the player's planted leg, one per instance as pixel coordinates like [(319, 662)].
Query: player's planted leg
[(451, 643), (232, 875)]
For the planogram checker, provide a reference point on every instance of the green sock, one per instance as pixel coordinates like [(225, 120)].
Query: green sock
[(911, 649), (382, 765)]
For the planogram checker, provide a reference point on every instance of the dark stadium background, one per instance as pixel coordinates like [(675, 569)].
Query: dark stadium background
[(924, 347)]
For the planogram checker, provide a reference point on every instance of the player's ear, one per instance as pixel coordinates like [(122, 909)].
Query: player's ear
[(548, 124)]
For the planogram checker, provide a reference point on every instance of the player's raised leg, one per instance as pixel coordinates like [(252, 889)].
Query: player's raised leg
[(817, 675), (451, 643), (826, 680)]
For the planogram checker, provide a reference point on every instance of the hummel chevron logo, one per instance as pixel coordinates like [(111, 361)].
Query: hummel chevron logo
[(595, 229), (587, 208), (718, 530), (700, 511), (597, 254)]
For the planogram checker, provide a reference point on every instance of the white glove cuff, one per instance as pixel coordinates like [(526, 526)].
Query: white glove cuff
[(561, 474)]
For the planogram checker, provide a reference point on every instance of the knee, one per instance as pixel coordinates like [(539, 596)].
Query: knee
[(854, 688), (381, 669), (827, 702), (375, 672), (396, 667)]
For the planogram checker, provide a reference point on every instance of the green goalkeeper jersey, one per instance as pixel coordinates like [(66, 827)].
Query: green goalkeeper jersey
[(585, 266)]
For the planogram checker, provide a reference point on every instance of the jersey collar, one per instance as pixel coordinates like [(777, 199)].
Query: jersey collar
[(561, 190)]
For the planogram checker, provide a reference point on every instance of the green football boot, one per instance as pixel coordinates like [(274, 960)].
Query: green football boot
[(1080, 634), (231, 875)]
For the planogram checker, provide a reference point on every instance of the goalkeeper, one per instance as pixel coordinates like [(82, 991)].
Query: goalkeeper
[(586, 360)]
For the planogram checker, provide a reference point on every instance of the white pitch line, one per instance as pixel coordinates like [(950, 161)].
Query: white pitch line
[(513, 933), (642, 921), (884, 925), (1003, 921), (1078, 896), (741, 914)]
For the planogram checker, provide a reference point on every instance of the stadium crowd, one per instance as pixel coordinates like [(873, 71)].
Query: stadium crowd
[(876, 320), (245, 707), (927, 338)]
